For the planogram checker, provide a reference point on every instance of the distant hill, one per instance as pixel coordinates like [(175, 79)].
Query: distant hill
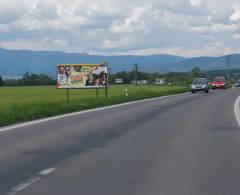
[(16, 62), (205, 63)]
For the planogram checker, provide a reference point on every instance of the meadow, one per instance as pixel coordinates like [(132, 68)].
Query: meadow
[(19, 104)]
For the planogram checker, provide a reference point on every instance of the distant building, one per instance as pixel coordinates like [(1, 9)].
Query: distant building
[(143, 82), (134, 82), (160, 82), (118, 81)]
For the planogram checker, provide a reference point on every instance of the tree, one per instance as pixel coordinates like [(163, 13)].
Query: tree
[(196, 72), (11, 82), (1, 81), (123, 75), (36, 80)]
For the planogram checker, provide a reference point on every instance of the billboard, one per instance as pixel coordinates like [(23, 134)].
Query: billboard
[(81, 76)]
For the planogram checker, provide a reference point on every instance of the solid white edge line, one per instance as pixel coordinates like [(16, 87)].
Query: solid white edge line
[(46, 171), (237, 110), (7, 128)]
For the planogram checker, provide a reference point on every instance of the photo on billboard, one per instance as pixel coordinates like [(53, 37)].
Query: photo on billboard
[(81, 76)]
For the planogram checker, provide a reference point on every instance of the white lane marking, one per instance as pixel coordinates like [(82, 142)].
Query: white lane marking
[(237, 110), (22, 186), (7, 128), (46, 171)]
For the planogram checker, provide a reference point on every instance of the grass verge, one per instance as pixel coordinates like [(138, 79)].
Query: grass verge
[(21, 112)]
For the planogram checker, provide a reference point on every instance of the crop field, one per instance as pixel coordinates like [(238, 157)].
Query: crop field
[(18, 104)]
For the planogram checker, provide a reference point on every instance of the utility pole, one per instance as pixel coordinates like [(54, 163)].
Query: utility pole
[(228, 59), (136, 73)]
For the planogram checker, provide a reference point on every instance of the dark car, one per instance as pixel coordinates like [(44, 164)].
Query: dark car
[(219, 83), (199, 84)]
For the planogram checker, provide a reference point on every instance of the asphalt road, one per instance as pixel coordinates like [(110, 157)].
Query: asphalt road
[(183, 145)]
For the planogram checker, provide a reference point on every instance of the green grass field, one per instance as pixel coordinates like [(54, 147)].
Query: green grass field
[(20, 104)]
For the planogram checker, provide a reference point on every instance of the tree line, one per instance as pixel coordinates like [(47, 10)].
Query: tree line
[(180, 78), (131, 76), (177, 78), (28, 80)]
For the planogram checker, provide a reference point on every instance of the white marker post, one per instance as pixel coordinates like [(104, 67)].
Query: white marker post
[(126, 92)]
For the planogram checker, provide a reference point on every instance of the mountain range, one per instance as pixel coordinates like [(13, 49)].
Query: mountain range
[(17, 62)]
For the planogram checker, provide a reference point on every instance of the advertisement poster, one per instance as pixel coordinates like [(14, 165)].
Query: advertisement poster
[(81, 76)]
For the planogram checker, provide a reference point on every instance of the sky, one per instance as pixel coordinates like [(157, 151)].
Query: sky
[(187, 28)]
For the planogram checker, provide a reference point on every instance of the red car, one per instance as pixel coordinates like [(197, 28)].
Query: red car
[(219, 83)]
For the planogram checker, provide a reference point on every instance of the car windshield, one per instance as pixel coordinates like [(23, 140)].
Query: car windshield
[(199, 81), (219, 79)]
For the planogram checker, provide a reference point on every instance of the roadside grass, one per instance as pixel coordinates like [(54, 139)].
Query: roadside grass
[(19, 104)]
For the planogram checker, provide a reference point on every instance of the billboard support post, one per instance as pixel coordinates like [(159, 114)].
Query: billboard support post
[(106, 91), (106, 87), (67, 95), (97, 94)]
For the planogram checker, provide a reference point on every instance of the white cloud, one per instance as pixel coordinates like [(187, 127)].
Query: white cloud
[(110, 44), (196, 2), (11, 10), (236, 37), (23, 44), (235, 16), (59, 42), (183, 27), (216, 28), (211, 49), (132, 23)]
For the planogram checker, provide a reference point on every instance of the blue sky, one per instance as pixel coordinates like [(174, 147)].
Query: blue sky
[(179, 27)]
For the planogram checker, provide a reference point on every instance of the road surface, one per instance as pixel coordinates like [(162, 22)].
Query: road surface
[(181, 145)]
